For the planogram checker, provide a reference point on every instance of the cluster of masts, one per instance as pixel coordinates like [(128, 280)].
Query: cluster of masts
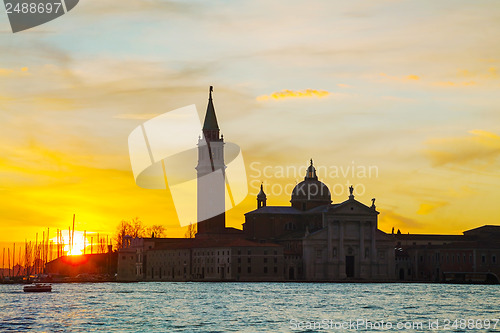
[(33, 258)]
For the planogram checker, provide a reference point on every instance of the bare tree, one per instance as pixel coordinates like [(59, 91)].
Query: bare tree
[(123, 229), (156, 230), (137, 228), (191, 231)]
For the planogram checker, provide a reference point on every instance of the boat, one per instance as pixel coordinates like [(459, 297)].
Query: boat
[(37, 288)]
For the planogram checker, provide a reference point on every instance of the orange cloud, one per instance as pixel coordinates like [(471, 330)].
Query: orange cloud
[(398, 99), (493, 72), (308, 93), (411, 77), (467, 77), (5, 71), (135, 116), (480, 146), (9, 72), (389, 219), (454, 84), (429, 207)]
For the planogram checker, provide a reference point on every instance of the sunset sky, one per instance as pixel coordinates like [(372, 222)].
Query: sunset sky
[(410, 88)]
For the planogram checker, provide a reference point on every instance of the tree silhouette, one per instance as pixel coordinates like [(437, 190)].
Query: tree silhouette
[(136, 229), (123, 229), (191, 231), (157, 230)]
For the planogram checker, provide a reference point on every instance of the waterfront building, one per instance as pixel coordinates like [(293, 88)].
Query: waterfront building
[(472, 256), (194, 259)]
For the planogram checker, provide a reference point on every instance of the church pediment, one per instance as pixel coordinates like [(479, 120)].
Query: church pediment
[(352, 207), (321, 234)]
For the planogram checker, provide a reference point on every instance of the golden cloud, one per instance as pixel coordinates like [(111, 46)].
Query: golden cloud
[(465, 77), (283, 94), (389, 219), (5, 71), (10, 72), (136, 116), (429, 207), (480, 146), (411, 77), (454, 84)]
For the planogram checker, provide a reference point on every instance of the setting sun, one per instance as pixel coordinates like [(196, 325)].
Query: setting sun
[(82, 243)]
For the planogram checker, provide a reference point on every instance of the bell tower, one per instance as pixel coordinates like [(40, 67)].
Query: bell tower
[(261, 197), (211, 175)]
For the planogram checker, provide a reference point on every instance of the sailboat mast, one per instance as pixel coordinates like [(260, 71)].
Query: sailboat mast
[(8, 258), (73, 233), (13, 258), (47, 248), (35, 255)]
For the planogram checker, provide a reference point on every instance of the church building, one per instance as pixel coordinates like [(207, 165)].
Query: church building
[(313, 239), (323, 240)]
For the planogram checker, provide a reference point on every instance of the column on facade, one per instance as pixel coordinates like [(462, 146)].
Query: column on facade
[(329, 232), (374, 267), (340, 251), (362, 241), (373, 244), (414, 272)]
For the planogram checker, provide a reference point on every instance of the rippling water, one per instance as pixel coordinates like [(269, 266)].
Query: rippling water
[(249, 307)]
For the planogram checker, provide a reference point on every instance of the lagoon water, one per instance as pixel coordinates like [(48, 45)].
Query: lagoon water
[(251, 307)]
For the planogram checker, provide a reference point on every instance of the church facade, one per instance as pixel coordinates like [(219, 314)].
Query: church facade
[(323, 241)]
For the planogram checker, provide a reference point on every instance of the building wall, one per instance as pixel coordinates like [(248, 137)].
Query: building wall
[(126, 266), (253, 263), (71, 266), (212, 264), (429, 263), (167, 265), (257, 263), (271, 226), (429, 257)]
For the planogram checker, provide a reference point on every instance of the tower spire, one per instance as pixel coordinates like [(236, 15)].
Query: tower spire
[(210, 124)]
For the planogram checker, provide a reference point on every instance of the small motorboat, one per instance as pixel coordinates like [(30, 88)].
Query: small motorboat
[(37, 288)]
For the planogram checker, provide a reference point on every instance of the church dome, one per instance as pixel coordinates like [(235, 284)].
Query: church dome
[(310, 192)]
